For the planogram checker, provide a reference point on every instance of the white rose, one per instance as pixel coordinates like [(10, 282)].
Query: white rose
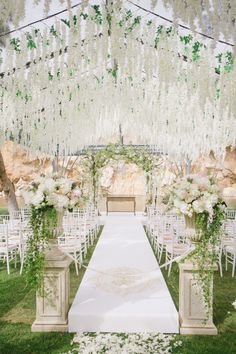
[(27, 195), (181, 194), (47, 186), (37, 199), (62, 202), (65, 185), (198, 206), (234, 304), (214, 199), (52, 199)]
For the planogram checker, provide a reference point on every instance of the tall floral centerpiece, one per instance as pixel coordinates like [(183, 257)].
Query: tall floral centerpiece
[(48, 198), (199, 200)]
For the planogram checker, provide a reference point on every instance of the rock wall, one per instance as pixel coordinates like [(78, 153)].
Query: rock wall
[(129, 179), (224, 171)]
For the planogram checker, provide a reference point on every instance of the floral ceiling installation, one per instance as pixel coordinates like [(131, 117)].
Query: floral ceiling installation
[(108, 67)]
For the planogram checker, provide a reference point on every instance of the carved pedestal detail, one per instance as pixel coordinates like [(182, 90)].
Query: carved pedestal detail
[(53, 304), (194, 317)]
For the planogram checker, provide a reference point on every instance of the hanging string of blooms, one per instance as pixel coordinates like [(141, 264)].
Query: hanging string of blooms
[(73, 84)]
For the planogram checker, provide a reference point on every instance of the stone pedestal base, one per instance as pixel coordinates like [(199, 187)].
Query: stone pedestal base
[(53, 304), (194, 317)]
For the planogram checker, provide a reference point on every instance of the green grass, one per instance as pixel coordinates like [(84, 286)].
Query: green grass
[(224, 315), (4, 211), (17, 312)]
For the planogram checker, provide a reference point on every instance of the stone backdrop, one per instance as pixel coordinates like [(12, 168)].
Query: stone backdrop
[(22, 167)]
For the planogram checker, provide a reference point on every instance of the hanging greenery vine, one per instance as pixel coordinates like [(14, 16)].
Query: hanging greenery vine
[(206, 254), (43, 222)]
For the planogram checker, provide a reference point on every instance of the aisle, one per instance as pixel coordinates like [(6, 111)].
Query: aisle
[(123, 290)]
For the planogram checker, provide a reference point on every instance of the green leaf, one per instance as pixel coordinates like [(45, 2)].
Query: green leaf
[(66, 22), (50, 76), (30, 42), (83, 15), (15, 42), (98, 14), (53, 31)]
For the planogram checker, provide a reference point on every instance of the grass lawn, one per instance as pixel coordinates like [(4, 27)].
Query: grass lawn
[(17, 312), (224, 316)]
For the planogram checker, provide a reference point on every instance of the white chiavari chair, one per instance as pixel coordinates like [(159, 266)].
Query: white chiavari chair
[(178, 245), (228, 244), (8, 249), (230, 214)]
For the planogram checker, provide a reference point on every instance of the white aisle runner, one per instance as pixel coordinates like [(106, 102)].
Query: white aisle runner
[(123, 290)]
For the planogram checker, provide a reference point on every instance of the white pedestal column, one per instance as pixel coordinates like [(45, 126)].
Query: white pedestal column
[(194, 317), (52, 308)]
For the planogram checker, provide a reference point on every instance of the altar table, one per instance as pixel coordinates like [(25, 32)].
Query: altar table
[(121, 198)]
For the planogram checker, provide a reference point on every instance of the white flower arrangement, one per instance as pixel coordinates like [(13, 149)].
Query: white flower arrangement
[(191, 194), (58, 192)]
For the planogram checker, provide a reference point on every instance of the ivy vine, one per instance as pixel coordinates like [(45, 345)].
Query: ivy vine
[(42, 223), (205, 254)]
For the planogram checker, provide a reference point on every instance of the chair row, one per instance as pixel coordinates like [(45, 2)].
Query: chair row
[(167, 233), (80, 229)]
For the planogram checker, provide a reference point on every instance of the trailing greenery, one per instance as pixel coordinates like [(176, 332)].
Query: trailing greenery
[(205, 255), (42, 222), (126, 153)]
